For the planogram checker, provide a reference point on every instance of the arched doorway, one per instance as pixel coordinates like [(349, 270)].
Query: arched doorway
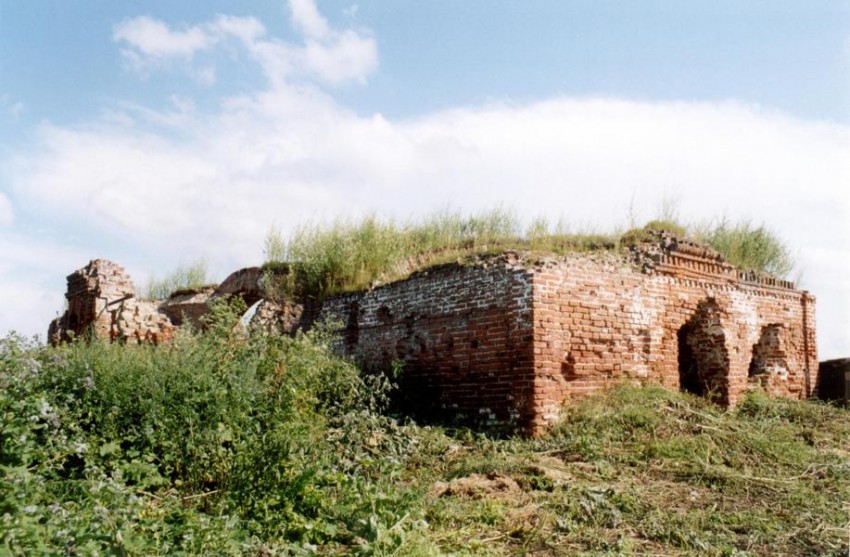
[(689, 378), (703, 358)]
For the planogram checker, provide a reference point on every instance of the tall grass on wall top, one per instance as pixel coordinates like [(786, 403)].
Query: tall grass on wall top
[(193, 275), (750, 247), (348, 254), (354, 254)]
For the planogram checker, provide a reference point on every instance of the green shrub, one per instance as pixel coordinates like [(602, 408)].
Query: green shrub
[(217, 444), (669, 225), (224, 444)]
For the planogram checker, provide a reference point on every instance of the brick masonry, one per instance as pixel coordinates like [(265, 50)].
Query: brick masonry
[(464, 333), (102, 301), (506, 341)]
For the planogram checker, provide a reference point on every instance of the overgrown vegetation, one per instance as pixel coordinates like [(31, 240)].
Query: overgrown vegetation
[(217, 444), (184, 277), (351, 255), (748, 246), (225, 444)]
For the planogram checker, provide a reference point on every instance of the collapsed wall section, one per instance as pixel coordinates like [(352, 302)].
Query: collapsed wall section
[(463, 335), (102, 303)]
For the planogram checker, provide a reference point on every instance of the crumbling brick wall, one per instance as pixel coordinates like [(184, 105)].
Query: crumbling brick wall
[(508, 341), (463, 334), (101, 302), (686, 325)]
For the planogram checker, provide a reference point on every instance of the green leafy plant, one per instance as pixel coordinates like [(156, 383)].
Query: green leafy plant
[(227, 444), (217, 444)]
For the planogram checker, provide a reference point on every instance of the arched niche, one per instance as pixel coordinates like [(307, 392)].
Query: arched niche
[(769, 363)]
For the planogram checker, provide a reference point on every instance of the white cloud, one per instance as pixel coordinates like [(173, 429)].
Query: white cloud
[(348, 56), (287, 154), (328, 55), (28, 308), (351, 11), (32, 281), (153, 38), (332, 56), (12, 107), (6, 213), (560, 156), (307, 18), (246, 29)]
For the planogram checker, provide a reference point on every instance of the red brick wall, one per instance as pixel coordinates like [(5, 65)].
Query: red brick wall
[(463, 333), (507, 342), (101, 302), (598, 320)]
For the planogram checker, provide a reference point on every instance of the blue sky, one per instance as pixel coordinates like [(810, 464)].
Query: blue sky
[(159, 132), (792, 56)]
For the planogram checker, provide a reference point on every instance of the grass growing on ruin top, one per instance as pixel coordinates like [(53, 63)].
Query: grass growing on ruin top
[(747, 246), (349, 255), (185, 277)]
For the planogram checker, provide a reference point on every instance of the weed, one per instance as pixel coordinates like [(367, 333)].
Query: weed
[(749, 247), (184, 277), (216, 444)]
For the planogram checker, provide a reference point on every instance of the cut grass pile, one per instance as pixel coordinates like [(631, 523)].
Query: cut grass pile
[(650, 472)]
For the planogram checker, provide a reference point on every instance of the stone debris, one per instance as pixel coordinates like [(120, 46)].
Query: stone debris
[(283, 318)]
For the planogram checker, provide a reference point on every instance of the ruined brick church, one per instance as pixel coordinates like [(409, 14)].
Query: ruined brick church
[(504, 341)]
